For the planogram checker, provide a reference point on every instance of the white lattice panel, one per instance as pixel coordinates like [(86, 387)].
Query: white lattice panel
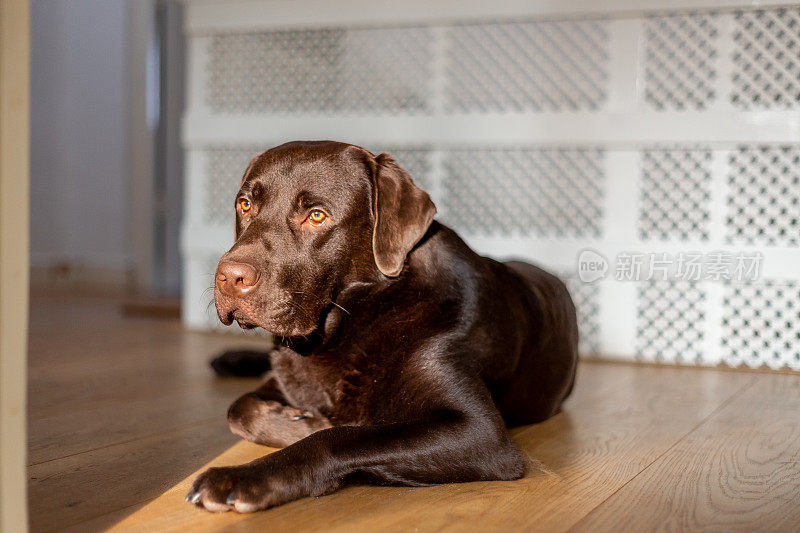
[(223, 164), (586, 297), (552, 66), (764, 196), (679, 63), (671, 322), (675, 194), (544, 192), (321, 70), (766, 67), (616, 136), (762, 324), (417, 160)]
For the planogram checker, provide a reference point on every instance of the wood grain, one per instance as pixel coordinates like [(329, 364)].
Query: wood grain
[(739, 471), (67, 434), (620, 421), (111, 385), (123, 419), (72, 489)]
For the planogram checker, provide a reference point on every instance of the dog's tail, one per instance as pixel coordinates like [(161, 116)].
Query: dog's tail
[(241, 363)]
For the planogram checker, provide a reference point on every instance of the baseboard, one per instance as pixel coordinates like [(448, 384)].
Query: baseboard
[(89, 279)]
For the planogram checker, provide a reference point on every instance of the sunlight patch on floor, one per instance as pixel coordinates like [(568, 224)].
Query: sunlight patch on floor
[(169, 512)]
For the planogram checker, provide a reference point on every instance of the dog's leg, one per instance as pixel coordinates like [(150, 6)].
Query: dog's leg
[(447, 447), (264, 416)]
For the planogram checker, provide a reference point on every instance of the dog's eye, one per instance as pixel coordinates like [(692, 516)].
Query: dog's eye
[(245, 205), (317, 217)]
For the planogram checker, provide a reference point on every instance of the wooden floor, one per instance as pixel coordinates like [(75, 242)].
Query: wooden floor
[(124, 412)]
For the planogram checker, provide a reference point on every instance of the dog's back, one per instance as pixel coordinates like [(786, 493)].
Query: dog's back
[(545, 372), (521, 324)]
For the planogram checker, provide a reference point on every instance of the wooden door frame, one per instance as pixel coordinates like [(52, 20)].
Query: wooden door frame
[(14, 249)]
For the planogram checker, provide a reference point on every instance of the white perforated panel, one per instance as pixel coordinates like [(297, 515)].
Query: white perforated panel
[(764, 196), (680, 61), (225, 165), (631, 132), (321, 70), (587, 306), (546, 192), (554, 66), (766, 59), (762, 324), (675, 193), (416, 160), (671, 322)]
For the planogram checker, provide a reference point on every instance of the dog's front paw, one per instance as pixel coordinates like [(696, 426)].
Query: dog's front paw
[(271, 423), (235, 488), (266, 482)]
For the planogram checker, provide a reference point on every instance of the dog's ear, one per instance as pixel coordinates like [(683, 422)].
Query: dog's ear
[(403, 212)]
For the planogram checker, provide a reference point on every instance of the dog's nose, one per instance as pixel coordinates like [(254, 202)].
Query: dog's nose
[(236, 279)]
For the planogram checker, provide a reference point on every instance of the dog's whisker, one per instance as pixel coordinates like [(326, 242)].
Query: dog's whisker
[(339, 306), (295, 306)]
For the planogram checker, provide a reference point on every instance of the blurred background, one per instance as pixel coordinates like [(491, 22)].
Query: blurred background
[(106, 163), (542, 131)]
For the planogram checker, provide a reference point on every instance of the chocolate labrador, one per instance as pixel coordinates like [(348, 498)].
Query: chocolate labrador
[(402, 355)]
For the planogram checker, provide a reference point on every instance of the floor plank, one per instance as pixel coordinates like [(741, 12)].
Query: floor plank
[(112, 385), (621, 419), (62, 435), (740, 471), (89, 485), (124, 412)]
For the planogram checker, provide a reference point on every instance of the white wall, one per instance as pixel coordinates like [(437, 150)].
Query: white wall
[(78, 129)]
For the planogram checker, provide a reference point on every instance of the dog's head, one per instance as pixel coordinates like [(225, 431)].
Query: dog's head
[(311, 219)]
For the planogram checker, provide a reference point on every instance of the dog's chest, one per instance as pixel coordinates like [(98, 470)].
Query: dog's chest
[(339, 386)]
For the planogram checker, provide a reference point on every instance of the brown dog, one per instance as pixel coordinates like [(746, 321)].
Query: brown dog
[(402, 356)]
